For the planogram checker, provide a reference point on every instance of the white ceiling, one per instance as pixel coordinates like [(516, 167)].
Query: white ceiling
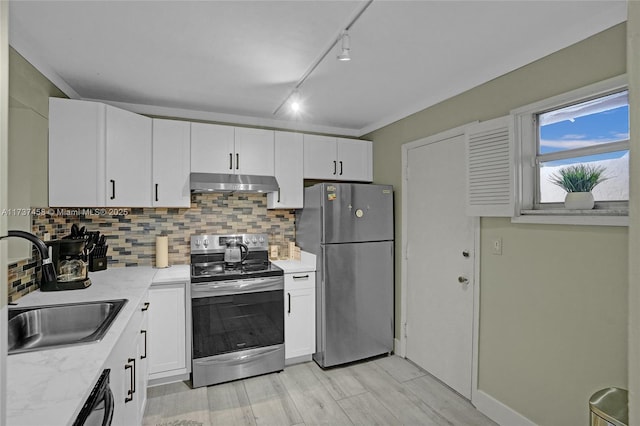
[(236, 61)]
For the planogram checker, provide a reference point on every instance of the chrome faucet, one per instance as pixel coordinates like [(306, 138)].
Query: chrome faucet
[(49, 281)]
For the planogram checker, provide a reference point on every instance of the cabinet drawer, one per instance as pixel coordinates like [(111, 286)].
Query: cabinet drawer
[(300, 280)]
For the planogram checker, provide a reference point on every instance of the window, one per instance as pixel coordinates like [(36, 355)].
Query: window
[(593, 133), (590, 127)]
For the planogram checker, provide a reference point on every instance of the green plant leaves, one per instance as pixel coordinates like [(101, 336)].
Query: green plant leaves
[(579, 177)]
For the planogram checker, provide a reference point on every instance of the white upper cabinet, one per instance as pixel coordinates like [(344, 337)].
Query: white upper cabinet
[(288, 171), (354, 160), (76, 153), (231, 150), (337, 158), (320, 157), (128, 159), (254, 151), (99, 155), (212, 148), (171, 163)]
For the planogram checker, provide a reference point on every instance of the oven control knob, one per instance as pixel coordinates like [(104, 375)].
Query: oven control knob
[(262, 239), (255, 240), (206, 243), (197, 243)]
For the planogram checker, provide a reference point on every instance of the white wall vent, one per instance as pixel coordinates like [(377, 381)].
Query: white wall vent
[(490, 175)]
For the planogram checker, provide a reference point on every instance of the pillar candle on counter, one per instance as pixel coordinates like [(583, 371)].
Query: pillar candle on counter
[(162, 251)]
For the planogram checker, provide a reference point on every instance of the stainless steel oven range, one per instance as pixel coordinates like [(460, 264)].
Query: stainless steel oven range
[(237, 308)]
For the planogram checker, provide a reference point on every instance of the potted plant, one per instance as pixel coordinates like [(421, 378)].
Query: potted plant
[(579, 180)]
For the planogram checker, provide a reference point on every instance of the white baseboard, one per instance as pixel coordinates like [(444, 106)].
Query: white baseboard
[(498, 412), (396, 347), (298, 360), (168, 379)]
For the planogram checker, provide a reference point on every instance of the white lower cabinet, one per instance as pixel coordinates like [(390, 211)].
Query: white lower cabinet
[(168, 345), (142, 379), (128, 378), (299, 315)]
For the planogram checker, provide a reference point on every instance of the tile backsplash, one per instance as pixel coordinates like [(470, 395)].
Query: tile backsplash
[(131, 237)]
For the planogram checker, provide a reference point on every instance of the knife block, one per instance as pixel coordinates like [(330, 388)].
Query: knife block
[(97, 263)]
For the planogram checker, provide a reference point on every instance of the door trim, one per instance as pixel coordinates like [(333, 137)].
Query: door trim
[(448, 134)]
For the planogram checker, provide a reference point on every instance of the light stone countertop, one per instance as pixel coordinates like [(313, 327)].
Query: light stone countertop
[(49, 387), (172, 274), (307, 263)]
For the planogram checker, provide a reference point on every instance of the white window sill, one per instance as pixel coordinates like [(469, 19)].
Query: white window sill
[(599, 217)]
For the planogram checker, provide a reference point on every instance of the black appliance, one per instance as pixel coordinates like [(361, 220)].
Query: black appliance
[(237, 310), (68, 257), (98, 408)]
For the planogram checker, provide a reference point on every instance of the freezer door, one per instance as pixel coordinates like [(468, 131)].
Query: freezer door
[(355, 303), (357, 212)]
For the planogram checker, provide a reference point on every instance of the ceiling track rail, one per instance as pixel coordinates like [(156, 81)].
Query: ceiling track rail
[(321, 57)]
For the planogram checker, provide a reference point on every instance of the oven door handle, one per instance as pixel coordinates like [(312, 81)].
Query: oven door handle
[(233, 359), (223, 288)]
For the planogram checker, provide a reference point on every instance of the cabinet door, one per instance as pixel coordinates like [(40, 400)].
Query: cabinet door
[(212, 148), (320, 157), (76, 153), (128, 159), (300, 308), (167, 330), (142, 379), (289, 160), (254, 152), (171, 163), (123, 363), (354, 160)]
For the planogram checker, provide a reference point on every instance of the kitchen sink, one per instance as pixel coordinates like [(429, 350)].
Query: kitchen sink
[(42, 327)]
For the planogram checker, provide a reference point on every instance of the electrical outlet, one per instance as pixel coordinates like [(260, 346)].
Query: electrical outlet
[(496, 246)]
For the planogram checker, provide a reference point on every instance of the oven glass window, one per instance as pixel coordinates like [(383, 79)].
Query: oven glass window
[(236, 322)]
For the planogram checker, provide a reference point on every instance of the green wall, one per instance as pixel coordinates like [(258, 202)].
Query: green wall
[(545, 307), (29, 93)]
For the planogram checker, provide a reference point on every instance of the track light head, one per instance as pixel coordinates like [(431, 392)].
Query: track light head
[(295, 103), (345, 54)]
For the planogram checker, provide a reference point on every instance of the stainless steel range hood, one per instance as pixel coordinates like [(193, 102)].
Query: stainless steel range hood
[(215, 182)]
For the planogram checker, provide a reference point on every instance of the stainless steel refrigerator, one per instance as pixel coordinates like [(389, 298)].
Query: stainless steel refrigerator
[(349, 227)]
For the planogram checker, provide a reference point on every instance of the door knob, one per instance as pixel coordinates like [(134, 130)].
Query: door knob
[(465, 253), (463, 280)]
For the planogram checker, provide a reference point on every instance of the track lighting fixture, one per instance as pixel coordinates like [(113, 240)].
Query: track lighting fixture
[(293, 98), (345, 54), (295, 102)]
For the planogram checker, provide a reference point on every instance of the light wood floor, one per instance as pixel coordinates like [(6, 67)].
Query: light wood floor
[(384, 391)]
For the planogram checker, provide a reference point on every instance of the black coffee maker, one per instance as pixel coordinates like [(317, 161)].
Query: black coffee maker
[(69, 260)]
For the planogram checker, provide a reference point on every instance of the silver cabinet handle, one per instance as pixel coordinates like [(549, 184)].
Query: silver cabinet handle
[(301, 277)]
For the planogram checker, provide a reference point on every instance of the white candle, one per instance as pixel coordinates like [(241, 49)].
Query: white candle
[(162, 251)]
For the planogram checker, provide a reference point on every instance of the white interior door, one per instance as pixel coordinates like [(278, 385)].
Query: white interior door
[(440, 306)]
